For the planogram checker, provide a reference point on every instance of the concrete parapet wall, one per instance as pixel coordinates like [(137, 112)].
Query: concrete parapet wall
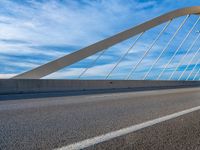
[(14, 86)]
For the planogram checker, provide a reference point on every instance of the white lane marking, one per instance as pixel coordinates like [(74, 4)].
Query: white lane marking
[(108, 136)]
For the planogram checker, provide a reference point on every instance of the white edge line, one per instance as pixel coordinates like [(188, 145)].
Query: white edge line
[(111, 135)]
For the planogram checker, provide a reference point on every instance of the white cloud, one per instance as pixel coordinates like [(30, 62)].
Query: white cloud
[(6, 76), (70, 23)]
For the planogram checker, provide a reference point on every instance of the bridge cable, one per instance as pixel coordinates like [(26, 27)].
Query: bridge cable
[(148, 50), (193, 69), (158, 58), (196, 74), (92, 64), (164, 49), (180, 62), (173, 54), (126, 53), (189, 64), (183, 58)]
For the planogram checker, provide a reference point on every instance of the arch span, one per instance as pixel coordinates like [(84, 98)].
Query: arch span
[(74, 57)]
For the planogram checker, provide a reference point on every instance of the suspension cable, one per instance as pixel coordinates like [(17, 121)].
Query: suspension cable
[(196, 74), (183, 58), (148, 50), (187, 50), (174, 53), (193, 69), (92, 64), (189, 64), (123, 56), (158, 58)]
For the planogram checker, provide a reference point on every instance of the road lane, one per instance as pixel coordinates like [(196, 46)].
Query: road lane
[(48, 123), (125, 131), (182, 133)]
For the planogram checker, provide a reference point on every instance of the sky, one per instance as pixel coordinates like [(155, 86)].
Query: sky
[(34, 32)]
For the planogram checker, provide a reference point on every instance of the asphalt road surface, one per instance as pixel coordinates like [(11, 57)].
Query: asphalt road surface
[(56, 122)]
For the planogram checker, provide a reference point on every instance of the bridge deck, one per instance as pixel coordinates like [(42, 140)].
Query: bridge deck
[(47, 123)]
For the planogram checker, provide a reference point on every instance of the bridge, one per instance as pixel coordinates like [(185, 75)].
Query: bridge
[(146, 95)]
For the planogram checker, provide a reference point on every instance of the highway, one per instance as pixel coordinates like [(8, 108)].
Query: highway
[(60, 121)]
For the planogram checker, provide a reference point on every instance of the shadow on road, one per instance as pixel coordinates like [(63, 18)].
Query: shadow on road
[(83, 92)]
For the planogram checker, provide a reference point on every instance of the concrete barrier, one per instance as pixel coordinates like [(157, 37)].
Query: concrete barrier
[(16, 86)]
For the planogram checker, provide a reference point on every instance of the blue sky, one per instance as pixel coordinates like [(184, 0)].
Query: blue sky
[(35, 32)]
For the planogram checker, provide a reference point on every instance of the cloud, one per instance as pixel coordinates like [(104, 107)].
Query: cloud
[(35, 32), (6, 76)]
